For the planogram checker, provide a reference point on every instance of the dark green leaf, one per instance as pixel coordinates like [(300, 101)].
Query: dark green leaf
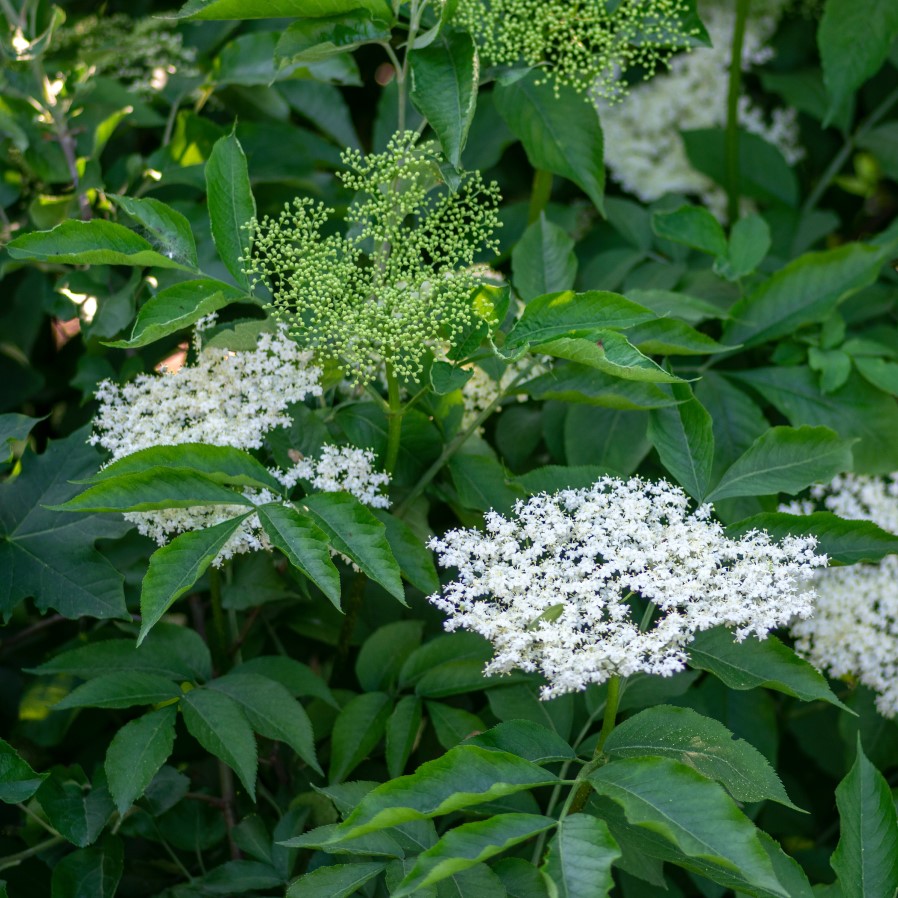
[(174, 568), (559, 132), (415, 559), (18, 782), (402, 732), (668, 336), (580, 857), (577, 383), (749, 245), (14, 428), (693, 226), (305, 545), (95, 242), (444, 82), (220, 726), (296, 677), (123, 689), (136, 753), (75, 811), (384, 652), (525, 739), (700, 742), (543, 260), (241, 876), (273, 9), (356, 533), (167, 228), (357, 729), (609, 352), (785, 460), (89, 872), (314, 39), (483, 484), (231, 204), (753, 663), (337, 881)]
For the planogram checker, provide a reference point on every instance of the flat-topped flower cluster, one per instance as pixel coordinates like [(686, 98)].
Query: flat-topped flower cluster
[(556, 587), (854, 631)]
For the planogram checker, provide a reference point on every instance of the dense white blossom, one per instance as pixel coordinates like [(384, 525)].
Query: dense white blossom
[(854, 631), (553, 586), (644, 151)]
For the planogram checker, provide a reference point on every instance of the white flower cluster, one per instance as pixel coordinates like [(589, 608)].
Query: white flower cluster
[(224, 399), (854, 631), (341, 468), (643, 148), (552, 587)]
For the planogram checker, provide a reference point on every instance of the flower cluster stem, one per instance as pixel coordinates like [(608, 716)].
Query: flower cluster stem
[(733, 180), (220, 646)]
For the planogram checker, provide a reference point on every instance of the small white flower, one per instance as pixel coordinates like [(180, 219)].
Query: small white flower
[(551, 587), (854, 631)]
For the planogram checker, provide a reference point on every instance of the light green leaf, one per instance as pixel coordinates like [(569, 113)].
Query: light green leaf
[(700, 742), (444, 79), (804, 292), (123, 689), (844, 541), (221, 464), (692, 226), (609, 352), (785, 459), (866, 858), (231, 204), (580, 857), (336, 881), (854, 41), (543, 260), (570, 314), (558, 132), (749, 245), (356, 533), (271, 711), (178, 307), (690, 812), (357, 729), (311, 40), (18, 782), (169, 230), (668, 336), (463, 777), (136, 753), (220, 726), (683, 436), (470, 844), (174, 568), (305, 545), (278, 9), (753, 663), (153, 489), (880, 373), (95, 242)]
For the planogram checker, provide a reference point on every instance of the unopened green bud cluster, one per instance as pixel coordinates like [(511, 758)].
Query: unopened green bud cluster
[(399, 280), (585, 44)]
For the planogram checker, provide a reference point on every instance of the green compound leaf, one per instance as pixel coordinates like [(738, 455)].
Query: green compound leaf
[(136, 753), (337, 881), (18, 782), (683, 436), (692, 226), (569, 314), (753, 663), (123, 689), (357, 729), (805, 292), (305, 545), (177, 566), (702, 743), (153, 489), (95, 242), (231, 204), (170, 231), (580, 857), (356, 533), (221, 464), (844, 541), (444, 79), (220, 726), (178, 307), (612, 353), (463, 777), (690, 812), (312, 40), (271, 711), (785, 460), (558, 132), (471, 844), (866, 858)]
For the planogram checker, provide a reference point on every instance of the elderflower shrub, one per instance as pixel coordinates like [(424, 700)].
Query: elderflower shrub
[(552, 586), (141, 53), (584, 44), (644, 151), (399, 280), (854, 631)]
